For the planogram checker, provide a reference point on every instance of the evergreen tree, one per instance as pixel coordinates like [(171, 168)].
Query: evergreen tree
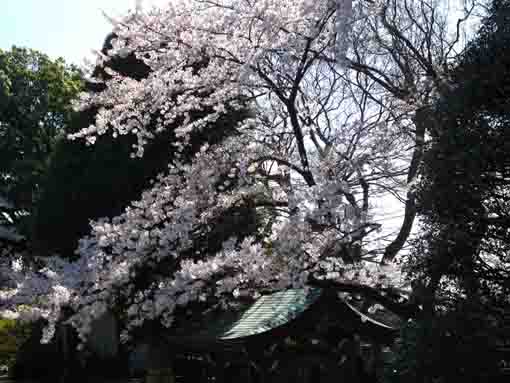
[(463, 194), (462, 259), (35, 108)]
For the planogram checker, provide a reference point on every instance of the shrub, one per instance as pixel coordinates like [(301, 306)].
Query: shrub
[(12, 335)]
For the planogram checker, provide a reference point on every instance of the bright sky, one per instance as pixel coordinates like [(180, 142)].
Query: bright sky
[(66, 28), (60, 28)]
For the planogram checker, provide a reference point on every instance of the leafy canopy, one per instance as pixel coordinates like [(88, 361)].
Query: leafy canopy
[(35, 109)]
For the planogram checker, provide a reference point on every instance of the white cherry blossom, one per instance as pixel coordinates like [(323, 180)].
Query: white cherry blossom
[(300, 160)]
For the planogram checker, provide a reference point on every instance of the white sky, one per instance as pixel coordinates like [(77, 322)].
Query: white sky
[(72, 28), (61, 28)]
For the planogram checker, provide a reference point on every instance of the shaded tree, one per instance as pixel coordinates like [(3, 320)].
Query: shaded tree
[(461, 260), (463, 193)]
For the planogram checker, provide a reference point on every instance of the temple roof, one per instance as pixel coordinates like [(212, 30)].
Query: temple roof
[(269, 313), (265, 314)]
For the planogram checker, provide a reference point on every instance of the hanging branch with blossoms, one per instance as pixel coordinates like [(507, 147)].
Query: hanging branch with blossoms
[(308, 163)]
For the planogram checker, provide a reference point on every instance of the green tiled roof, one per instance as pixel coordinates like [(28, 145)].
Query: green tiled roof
[(271, 311), (266, 313)]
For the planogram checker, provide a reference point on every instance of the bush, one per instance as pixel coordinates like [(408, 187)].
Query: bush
[(12, 335)]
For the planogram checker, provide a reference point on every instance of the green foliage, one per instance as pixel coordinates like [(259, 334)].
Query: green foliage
[(466, 172), (463, 201), (12, 335), (35, 107)]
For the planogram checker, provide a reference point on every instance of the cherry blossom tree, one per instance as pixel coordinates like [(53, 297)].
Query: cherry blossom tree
[(338, 94)]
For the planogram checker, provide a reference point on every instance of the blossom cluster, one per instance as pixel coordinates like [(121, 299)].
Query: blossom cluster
[(298, 160)]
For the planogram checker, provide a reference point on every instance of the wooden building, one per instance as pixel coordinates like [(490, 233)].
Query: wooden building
[(290, 336)]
